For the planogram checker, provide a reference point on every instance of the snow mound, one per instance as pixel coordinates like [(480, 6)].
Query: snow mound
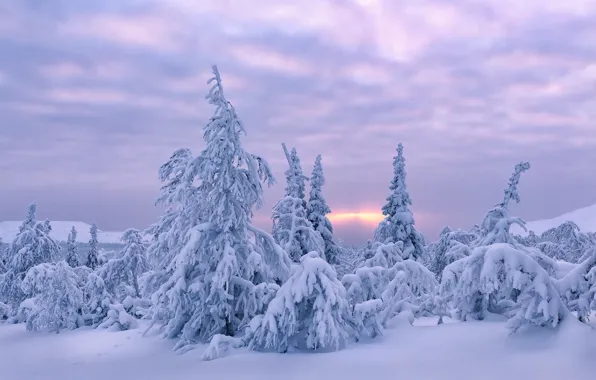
[(585, 218), (60, 231)]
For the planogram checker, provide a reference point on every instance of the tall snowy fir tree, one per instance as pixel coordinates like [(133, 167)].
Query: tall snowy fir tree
[(72, 250), (92, 260), (398, 224), (291, 227), (317, 210), (220, 271)]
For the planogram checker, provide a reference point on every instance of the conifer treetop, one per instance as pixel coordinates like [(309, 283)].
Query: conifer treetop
[(511, 192)]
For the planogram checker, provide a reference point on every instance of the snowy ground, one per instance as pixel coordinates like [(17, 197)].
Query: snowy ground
[(471, 350)]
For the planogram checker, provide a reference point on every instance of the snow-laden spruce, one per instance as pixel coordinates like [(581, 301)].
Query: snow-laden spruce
[(387, 285), (398, 225), (309, 312), (502, 279), (92, 260), (97, 300), (214, 275), (502, 276), (451, 246), (55, 296), (317, 210), (32, 246), (170, 230), (292, 228), (565, 242), (497, 222), (121, 274), (578, 287), (72, 249)]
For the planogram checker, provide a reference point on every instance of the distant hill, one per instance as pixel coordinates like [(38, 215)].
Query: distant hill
[(60, 231), (585, 218)]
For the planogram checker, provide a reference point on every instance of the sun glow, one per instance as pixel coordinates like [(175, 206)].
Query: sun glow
[(367, 217)]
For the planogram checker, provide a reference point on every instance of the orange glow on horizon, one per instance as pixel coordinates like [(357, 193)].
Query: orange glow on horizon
[(363, 216)]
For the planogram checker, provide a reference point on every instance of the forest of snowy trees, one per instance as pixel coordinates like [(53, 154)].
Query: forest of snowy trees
[(209, 275)]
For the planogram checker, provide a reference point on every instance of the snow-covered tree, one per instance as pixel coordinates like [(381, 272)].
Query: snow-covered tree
[(92, 256), (309, 312), (317, 210), (398, 224), (398, 285), (72, 249), (3, 257), (295, 179), (171, 229), (570, 242), (56, 297), (451, 246), (497, 222), (511, 192), (502, 279), (292, 228), (223, 257), (121, 274), (32, 246), (578, 287), (97, 299)]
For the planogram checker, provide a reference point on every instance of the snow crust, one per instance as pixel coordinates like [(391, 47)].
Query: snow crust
[(452, 351)]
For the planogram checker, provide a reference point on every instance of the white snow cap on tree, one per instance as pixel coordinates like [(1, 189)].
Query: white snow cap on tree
[(317, 210), (309, 312), (92, 260), (56, 297), (219, 263), (72, 250), (398, 224), (291, 227)]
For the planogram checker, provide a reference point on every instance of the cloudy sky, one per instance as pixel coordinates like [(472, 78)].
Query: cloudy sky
[(96, 94)]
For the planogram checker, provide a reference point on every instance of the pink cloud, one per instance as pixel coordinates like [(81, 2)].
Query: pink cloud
[(151, 30), (262, 58)]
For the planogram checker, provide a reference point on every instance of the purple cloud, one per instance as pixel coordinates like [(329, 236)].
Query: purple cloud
[(94, 96)]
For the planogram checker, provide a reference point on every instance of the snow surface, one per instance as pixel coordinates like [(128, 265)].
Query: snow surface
[(60, 232), (470, 350), (585, 218)]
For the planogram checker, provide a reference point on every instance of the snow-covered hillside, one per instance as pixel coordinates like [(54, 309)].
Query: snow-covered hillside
[(585, 218), (60, 231)]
